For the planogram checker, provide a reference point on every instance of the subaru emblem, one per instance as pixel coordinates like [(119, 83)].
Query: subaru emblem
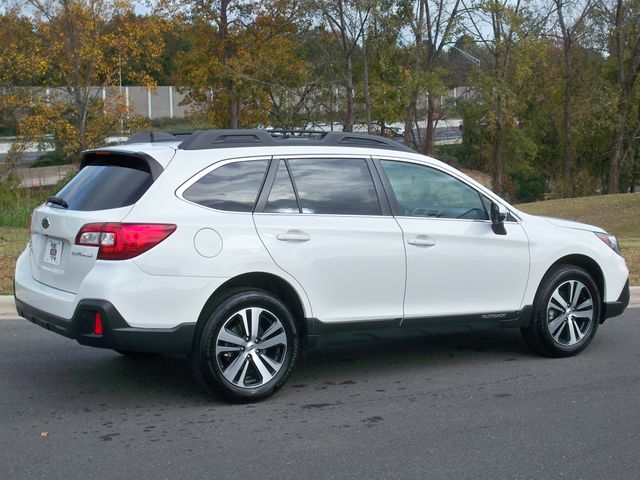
[(45, 223)]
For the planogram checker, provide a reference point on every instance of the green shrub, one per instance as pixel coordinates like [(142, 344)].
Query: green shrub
[(55, 157), (17, 202)]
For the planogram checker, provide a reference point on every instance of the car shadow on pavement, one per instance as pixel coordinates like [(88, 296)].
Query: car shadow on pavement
[(417, 349), (119, 381)]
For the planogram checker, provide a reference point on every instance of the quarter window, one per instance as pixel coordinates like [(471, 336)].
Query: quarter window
[(233, 187), (335, 186), (423, 191)]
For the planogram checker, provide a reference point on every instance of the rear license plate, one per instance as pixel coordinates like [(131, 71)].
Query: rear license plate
[(53, 252)]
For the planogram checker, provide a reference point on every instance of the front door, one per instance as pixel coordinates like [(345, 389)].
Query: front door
[(456, 264)]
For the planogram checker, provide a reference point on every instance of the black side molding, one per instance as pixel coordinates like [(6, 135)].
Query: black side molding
[(476, 321)]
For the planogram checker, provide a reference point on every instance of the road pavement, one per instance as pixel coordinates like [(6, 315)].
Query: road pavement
[(464, 406)]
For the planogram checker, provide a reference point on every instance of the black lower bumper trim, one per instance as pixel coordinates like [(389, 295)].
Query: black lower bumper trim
[(117, 333), (613, 309)]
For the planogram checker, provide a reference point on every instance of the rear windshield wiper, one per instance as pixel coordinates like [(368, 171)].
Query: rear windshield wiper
[(58, 201)]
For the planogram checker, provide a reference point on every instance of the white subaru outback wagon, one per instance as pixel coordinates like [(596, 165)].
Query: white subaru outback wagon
[(234, 246)]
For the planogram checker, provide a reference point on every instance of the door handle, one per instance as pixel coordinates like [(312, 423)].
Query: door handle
[(293, 236), (422, 241)]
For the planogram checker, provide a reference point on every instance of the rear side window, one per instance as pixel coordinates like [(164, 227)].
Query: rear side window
[(103, 187), (335, 186), (232, 187)]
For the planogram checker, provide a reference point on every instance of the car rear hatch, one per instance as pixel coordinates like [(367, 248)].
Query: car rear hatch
[(105, 189)]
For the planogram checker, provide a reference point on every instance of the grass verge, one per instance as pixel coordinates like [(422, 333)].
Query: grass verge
[(617, 214), (12, 243)]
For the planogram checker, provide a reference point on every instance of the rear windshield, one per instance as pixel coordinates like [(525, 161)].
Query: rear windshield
[(103, 187)]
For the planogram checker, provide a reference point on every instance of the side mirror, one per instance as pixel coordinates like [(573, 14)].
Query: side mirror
[(499, 215)]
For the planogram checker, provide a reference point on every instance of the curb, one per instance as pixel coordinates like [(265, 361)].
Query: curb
[(8, 308), (634, 301)]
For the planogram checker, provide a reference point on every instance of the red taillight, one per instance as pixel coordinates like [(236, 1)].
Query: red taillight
[(121, 241), (97, 324)]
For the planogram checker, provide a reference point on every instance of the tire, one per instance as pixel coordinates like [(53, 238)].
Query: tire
[(240, 360), (133, 354), (566, 313)]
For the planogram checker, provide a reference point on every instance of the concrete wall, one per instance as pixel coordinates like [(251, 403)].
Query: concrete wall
[(164, 101)]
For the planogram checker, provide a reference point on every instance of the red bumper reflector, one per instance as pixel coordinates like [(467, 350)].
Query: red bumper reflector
[(97, 324)]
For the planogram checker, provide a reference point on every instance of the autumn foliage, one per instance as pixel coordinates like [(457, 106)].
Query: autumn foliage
[(552, 105)]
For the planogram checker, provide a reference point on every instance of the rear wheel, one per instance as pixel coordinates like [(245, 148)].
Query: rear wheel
[(247, 347), (566, 313)]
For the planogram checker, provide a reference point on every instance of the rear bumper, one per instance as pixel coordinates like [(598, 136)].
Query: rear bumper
[(117, 333), (613, 309)]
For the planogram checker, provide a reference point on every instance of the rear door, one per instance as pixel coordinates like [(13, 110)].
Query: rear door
[(323, 223), (103, 191)]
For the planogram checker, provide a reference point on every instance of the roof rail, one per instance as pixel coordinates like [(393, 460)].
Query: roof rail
[(155, 137), (208, 139)]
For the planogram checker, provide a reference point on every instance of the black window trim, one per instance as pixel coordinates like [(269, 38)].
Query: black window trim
[(383, 201), (395, 208), (293, 183), (179, 192)]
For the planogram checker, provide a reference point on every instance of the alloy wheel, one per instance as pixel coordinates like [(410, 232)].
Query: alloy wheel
[(251, 347), (570, 313)]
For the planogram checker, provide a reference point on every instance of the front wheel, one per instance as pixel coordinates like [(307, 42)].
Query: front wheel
[(247, 347), (566, 313)]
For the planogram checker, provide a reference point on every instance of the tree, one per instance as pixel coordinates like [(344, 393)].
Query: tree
[(241, 57), (622, 20), (510, 35), (84, 45), (386, 77), (19, 66), (347, 20), (432, 24), (572, 16)]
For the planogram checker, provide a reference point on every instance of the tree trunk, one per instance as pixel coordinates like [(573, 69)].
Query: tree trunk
[(617, 152), (615, 161), (233, 107), (410, 119), (365, 75), (233, 111), (567, 146), (349, 114), (498, 148), (431, 113)]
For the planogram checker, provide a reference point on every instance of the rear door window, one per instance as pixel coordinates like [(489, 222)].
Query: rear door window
[(335, 186), (233, 187), (104, 187)]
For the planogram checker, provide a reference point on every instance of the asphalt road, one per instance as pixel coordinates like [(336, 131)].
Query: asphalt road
[(473, 405)]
